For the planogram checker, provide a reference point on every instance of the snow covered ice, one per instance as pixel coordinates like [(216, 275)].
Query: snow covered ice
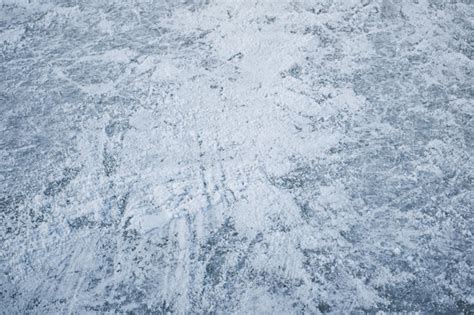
[(236, 156)]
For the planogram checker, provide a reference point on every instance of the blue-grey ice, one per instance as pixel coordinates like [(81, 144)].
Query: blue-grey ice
[(236, 156)]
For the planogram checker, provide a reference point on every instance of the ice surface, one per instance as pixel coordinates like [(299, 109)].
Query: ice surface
[(236, 156)]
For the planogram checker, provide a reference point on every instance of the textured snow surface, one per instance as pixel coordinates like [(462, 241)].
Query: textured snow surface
[(236, 156)]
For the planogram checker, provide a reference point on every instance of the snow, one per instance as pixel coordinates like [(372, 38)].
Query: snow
[(236, 157)]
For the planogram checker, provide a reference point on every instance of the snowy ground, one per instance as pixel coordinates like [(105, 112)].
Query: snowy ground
[(236, 156)]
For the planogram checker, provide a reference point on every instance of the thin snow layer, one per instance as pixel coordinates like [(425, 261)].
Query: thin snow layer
[(236, 156)]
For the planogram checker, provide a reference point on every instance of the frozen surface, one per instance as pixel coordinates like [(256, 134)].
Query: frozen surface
[(236, 156)]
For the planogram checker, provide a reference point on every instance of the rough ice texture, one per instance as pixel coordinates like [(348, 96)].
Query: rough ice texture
[(236, 156)]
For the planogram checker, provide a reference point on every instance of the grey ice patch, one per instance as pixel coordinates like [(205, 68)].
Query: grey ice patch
[(56, 186)]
